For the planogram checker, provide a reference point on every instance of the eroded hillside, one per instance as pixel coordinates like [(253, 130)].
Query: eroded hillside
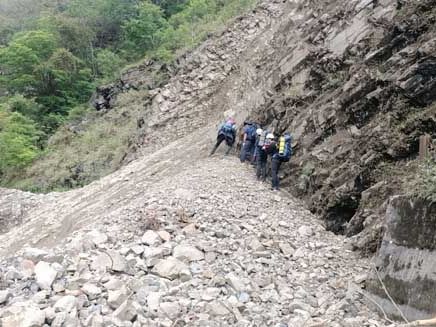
[(354, 84)]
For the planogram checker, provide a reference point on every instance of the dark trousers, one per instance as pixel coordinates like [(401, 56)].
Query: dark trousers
[(261, 161), (219, 140), (247, 151), (275, 167)]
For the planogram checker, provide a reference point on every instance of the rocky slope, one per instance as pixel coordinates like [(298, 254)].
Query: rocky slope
[(203, 246), (353, 83)]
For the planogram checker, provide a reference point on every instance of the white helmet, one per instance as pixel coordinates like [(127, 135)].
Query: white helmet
[(259, 131), (270, 136)]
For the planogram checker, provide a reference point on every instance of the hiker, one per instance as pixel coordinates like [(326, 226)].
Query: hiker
[(265, 146), (281, 154), (259, 132), (227, 132), (248, 141)]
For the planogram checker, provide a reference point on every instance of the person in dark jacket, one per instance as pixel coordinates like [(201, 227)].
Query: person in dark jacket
[(264, 149), (226, 132), (248, 141)]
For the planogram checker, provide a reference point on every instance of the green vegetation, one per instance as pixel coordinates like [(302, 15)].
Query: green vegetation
[(426, 180), (53, 53)]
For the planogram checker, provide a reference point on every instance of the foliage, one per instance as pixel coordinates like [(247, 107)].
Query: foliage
[(18, 140), (108, 64), (144, 32), (426, 180)]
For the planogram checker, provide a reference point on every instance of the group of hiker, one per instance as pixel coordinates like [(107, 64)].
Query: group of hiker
[(257, 146)]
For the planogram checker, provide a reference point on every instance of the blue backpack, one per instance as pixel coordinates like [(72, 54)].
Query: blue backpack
[(284, 148), (227, 128), (251, 132)]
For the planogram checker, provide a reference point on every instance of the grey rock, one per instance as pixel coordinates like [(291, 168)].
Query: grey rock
[(170, 268), (126, 311), (45, 275), (66, 303), (187, 252)]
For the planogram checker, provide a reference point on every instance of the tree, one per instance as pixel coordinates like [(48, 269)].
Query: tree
[(171, 7), (18, 60), (144, 32), (18, 140), (74, 33), (108, 64), (106, 17)]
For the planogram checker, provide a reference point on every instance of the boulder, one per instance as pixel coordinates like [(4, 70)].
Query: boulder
[(44, 275), (406, 259)]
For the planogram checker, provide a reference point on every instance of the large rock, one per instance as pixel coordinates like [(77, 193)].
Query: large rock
[(406, 260), (66, 303), (4, 296), (188, 252), (111, 260), (23, 315), (45, 275), (126, 311), (170, 268)]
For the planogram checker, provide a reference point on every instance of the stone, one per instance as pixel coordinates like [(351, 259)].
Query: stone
[(44, 275), (164, 235), (286, 249), (91, 290), (170, 268), (255, 245), (111, 260), (126, 311), (305, 231), (153, 301), (34, 254), (137, 249), (24, 314), (216, 308), (190, 229), (235, 282), (188, 252), (170, 309), (97, 237), (66, 303), (117, 297), (151, 238), (5, 295), (113, 284)]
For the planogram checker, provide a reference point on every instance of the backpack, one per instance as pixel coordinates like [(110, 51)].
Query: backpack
[(262, 139), (251, 132), (227, 128), (285, 147)]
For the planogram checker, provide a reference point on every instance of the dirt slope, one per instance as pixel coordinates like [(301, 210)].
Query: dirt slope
[(192, 243)]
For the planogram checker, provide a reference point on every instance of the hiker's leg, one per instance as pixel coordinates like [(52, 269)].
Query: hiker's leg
[(258, 166), (218, 142), (230, 143), (243, 151), (263, 167), (252, 151), (275, 173)]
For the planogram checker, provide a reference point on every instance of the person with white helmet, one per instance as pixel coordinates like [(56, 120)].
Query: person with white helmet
[(266, 146), (259, 132)]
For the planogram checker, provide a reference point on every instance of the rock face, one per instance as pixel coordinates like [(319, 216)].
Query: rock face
[(406, 259)]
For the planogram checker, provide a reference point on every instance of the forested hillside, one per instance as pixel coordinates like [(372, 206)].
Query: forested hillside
[(54, 53)]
